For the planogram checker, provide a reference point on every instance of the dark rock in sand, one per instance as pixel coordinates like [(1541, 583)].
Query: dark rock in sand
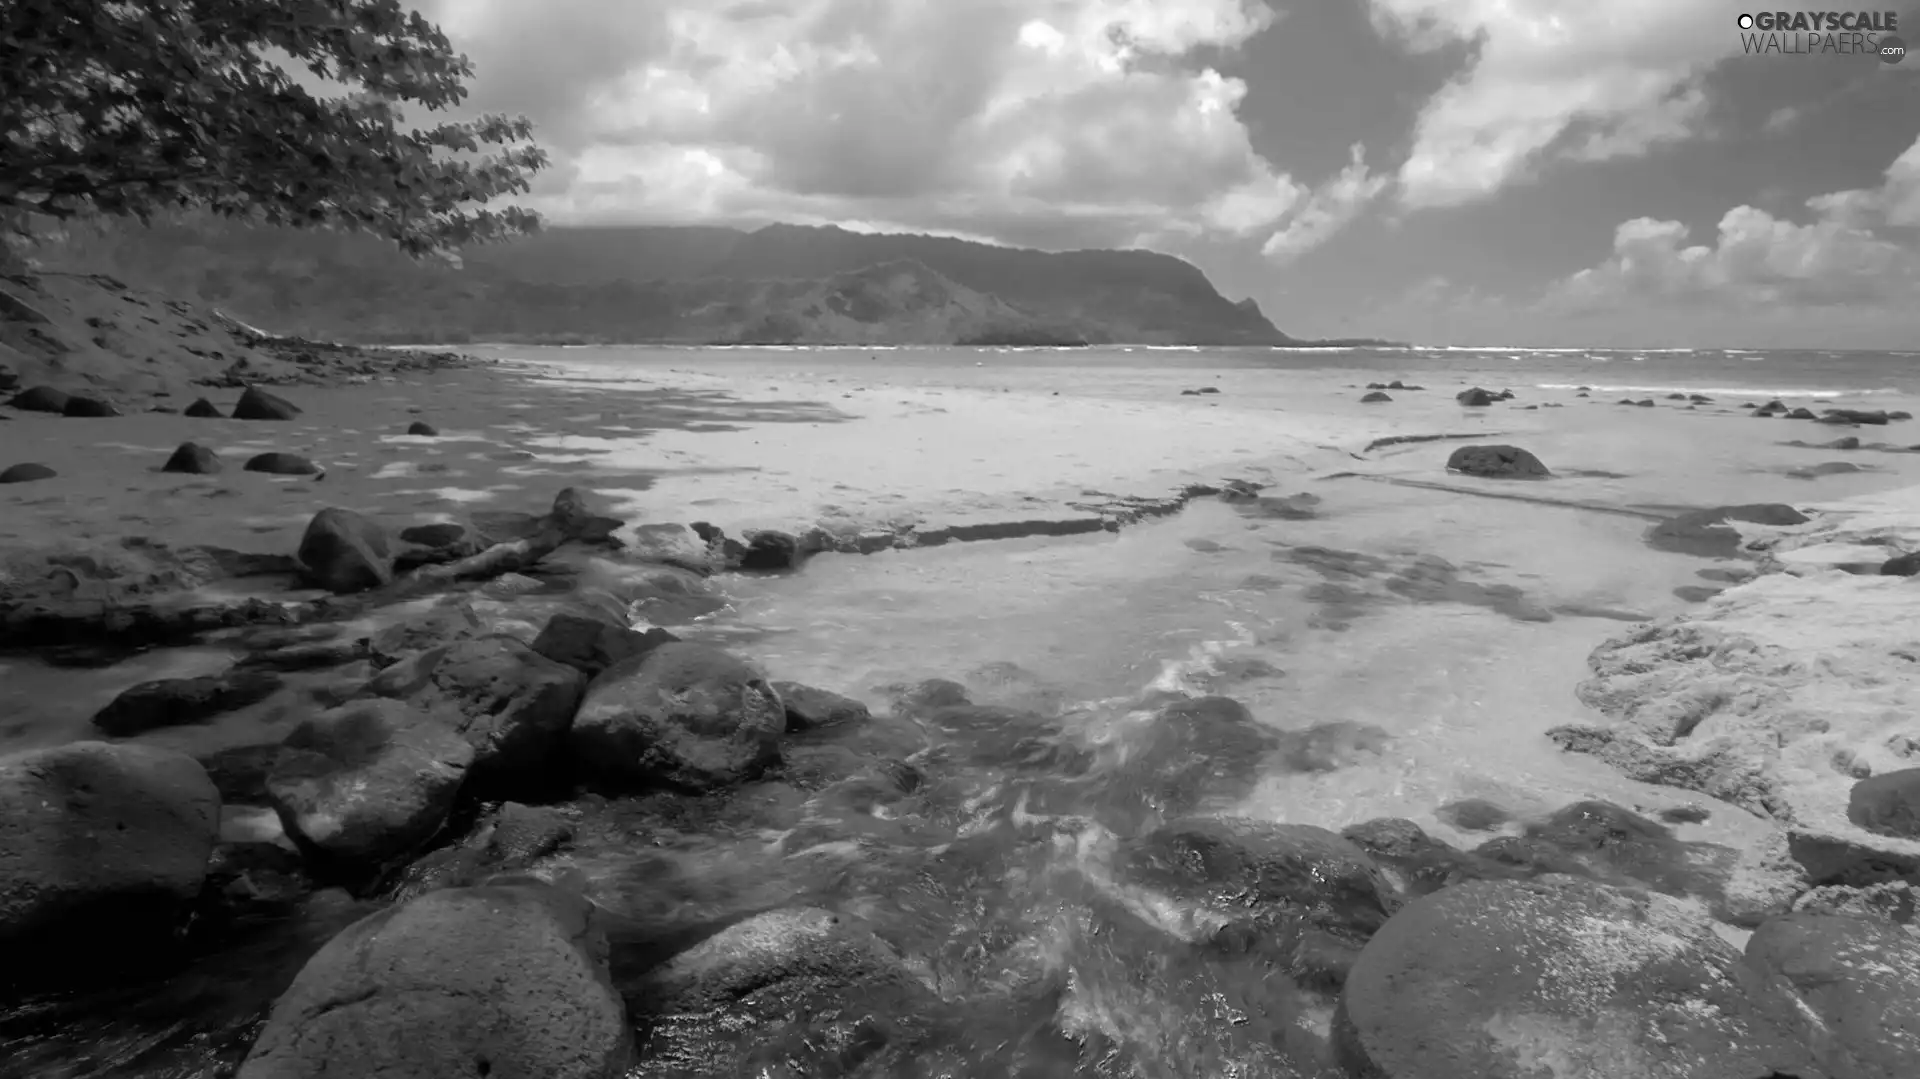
[(1824, 468), (1375, 398), (591, 644), (26, 473), (684, 714), (343, 551), (1302, 892), (1686, 814), (1899, 415), (1491, 979), (1496, 462), (1800, 414), (1706, 534), (172, 702), (1676, 397), (1854, 415), (1847, 443), (1887, 804), (1858, 980), (508, 980), (512, 704), (434, 535), (1476, 397), (40, 399), (203, 409), (1905, 565), (102, 848), (281, 464), (421, 427), (1700, 398), (1644, 402), (1474, 815), (88, 408), (258, 404), (361, 786), (812, 709), (193, 459)]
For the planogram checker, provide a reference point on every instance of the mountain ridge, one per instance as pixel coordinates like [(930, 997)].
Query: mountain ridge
[(686, 285)]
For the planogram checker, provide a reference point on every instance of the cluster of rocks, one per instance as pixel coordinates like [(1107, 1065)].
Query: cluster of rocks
[(1838, 416), (1376, 391)]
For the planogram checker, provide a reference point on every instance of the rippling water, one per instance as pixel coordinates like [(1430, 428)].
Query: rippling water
[(1413, 644)]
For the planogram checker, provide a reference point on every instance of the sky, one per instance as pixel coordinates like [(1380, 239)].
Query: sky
[(1497, 172)]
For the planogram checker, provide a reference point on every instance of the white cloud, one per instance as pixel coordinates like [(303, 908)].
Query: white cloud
[(1584, 79), (1331, 207), (1093, 120), (1851, 253)]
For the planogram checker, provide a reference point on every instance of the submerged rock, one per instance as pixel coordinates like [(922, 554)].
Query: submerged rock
[(423, 428), (802, 987), (684, 714), (102, 848), (1488, 979), (1707, 534), (812, 709), (1305, 892), (507, 980)]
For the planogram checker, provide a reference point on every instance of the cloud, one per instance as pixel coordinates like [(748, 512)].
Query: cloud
[(1552, 78), (1094, 121), (1853, 252), (1331, 207)]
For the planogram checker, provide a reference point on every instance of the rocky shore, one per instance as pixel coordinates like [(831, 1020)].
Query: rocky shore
[(415, 872)]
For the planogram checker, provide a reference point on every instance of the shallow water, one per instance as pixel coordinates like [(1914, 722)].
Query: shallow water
[(1446, 631)]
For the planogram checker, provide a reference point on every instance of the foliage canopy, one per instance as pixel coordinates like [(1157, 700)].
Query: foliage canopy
[(137, 107)]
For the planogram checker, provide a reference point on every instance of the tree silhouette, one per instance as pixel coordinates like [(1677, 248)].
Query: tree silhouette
[(138, 107)]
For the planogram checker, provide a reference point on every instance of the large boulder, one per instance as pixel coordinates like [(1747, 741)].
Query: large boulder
[(102, 847), (171, 702), (1496, 462), (258, 404), (1565, 978), (1858, 980), (343, 551), (364, 785), (684, 714), (509, 702), (506, 981), (1476, 397)]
